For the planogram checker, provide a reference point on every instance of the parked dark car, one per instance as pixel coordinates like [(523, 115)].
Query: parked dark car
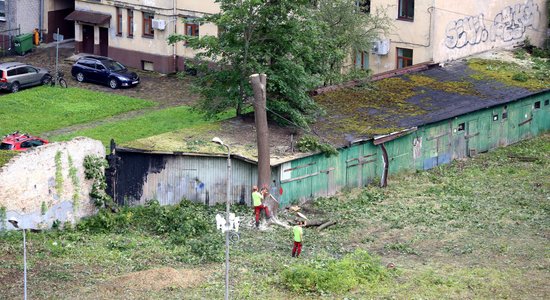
[(103, 70), (16, 75)]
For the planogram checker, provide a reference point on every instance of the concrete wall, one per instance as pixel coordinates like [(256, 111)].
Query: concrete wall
[(445, 30), (28, 183)]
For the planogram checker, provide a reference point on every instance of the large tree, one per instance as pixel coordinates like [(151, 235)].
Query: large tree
[(295, 42)]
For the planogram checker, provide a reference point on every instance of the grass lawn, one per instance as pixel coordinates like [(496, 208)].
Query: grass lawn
[(146, 125), (43, 109), (475, 229)]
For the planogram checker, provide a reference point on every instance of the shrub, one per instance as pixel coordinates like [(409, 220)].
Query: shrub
[(334, 275), (521, 77), (311, 143)]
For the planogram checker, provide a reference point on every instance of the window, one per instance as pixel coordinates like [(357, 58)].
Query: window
[(119, 21), (148, 25), (546, 102), (495, 117), (191, 29), (404, 57), (130, 23), (505, 112), (2, 10), (537, 105), (461, 127), (361, 60), (406, 10), (363, 6)]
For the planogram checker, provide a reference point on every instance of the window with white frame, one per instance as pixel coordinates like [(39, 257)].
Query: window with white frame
[(2, 10)]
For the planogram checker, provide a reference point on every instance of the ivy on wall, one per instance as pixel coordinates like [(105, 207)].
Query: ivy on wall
[(76, 183), (58, 174)]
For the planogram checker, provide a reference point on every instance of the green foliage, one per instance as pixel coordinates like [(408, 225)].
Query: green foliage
[(94, 169), (189, 225), (522, 77), (329, 275), (76, 183), (6, 155), (43, 208), (2, 218), (299, 46), (58, 174), (310, 143), (43, 109)]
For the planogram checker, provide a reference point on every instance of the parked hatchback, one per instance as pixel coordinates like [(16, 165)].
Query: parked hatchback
[(16, 75), (103, 70), (21, 142)]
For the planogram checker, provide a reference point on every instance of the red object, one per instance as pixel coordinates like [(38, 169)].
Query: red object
[(297, 249), (280, 191), (4, 79), (21, 142), (258, 209)]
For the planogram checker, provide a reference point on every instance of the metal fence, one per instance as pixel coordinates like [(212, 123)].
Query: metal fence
[(6, 41)]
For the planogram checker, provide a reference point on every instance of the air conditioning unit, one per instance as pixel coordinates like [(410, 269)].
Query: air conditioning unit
[(381, 47), (159, 24)]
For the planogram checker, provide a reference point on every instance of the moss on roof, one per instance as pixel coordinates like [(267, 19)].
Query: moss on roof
[(535, 75)]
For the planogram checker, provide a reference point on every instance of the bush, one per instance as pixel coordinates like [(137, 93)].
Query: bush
[(521, 77), (334, 275)]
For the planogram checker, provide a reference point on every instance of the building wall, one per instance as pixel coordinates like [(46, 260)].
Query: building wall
[(427, 147), (141, 177), (136, 50), (447, 30), (34, 200)]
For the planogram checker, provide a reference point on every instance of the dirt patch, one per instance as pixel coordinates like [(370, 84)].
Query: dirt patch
[(150, 281)]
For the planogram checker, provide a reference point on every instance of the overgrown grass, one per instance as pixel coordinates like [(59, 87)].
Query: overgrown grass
[(43, 109), (5, 156), (146, 125), (475, 229)]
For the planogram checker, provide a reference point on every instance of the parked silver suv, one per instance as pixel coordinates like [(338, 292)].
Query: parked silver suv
[(17, 75)]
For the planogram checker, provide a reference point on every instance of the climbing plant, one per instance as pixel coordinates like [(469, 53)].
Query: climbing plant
[(58, 174), (2, 218), (94, 169), (76, 183)]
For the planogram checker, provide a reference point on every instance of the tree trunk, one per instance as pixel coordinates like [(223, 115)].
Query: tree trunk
[(262, 131)]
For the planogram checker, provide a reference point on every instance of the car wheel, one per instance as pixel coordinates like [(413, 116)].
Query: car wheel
[(113, 83), (15, 87), (79, 77), (46, 79)]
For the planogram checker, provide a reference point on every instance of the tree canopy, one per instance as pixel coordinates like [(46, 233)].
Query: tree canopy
[(299, 44)]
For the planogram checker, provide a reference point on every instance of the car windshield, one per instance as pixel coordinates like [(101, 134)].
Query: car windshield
[(113, 65), (6, 146)]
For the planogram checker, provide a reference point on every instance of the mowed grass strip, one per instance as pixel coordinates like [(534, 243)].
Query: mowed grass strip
[(146, 125), (42, 109)]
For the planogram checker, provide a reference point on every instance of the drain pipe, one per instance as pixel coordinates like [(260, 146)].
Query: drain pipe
[(41, 19), (175, 32), (384, 179)]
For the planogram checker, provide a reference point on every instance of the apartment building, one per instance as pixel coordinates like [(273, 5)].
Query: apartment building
[(24, 16), (136, 32), (442, 30)]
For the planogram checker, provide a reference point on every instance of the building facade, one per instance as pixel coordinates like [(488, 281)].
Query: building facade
[(136, 32), (441, 30), (24, 16)]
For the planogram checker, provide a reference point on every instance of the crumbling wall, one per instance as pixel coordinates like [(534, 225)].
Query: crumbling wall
[(46, 184)]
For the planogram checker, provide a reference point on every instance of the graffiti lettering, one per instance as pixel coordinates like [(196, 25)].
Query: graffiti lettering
[(509, 24), (470, 30)]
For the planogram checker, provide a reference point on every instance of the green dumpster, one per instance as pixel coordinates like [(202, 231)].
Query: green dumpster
[(23, 43)]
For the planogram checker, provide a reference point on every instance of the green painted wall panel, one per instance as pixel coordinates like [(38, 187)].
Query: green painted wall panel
[(429, 146)]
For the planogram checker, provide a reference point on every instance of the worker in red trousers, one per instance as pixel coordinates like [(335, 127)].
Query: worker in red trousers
[(257, 202)]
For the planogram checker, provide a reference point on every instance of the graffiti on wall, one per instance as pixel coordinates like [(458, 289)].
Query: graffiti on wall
[(508, 25)]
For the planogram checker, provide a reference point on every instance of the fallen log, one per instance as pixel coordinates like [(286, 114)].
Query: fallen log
[(325, 225), (313, 223)]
